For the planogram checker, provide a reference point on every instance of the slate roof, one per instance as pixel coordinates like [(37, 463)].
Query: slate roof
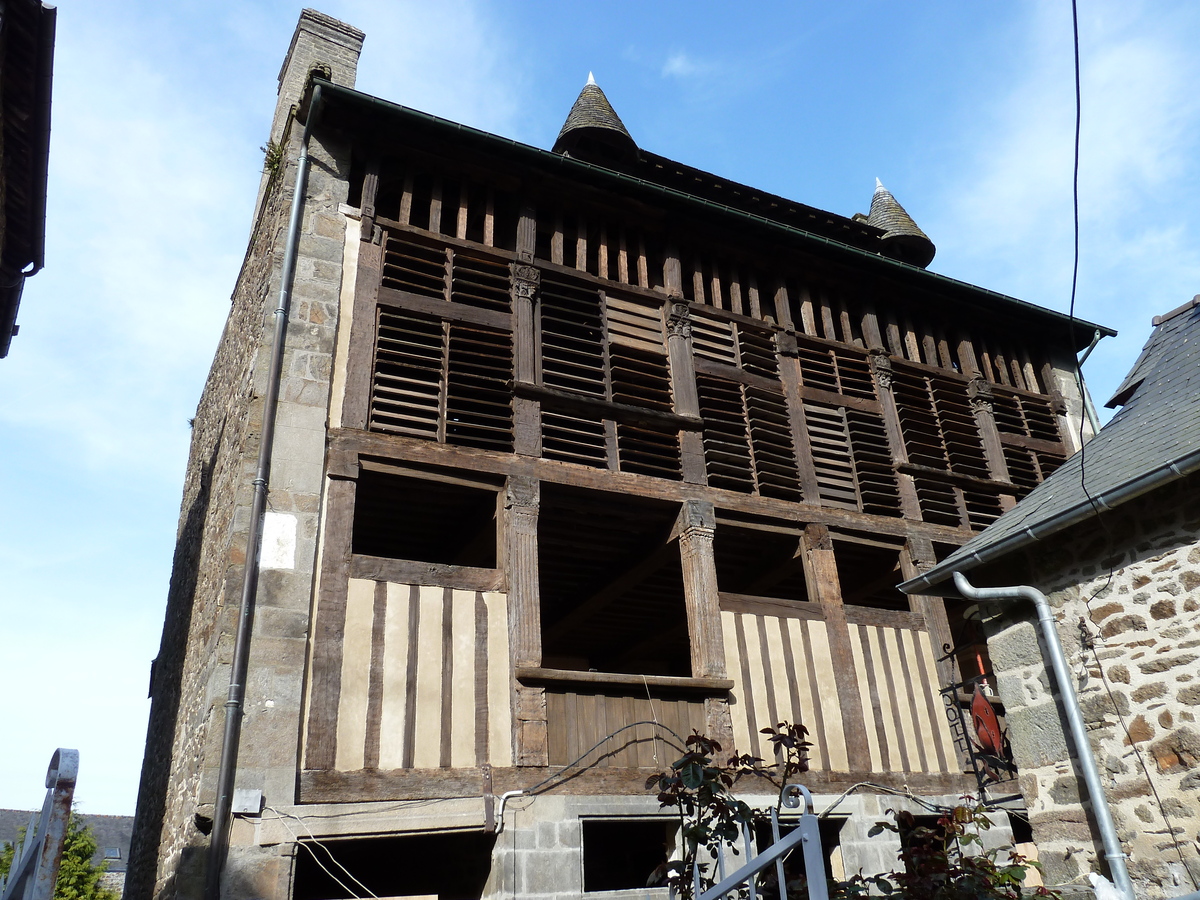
[(910, 243), (592, 111), (1152, 441), (110, 832)]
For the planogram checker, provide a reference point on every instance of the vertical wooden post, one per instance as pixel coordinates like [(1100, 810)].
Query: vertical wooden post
[(789, 376), (820, 571), (360, 361), (367, 204), (330, 626), (522, 498), (981, 397), (881, 370), (526, 279), (683, 385), (696, 527)]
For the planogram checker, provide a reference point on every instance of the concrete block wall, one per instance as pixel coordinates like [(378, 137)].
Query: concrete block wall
[(1139, 689), (192, 671)]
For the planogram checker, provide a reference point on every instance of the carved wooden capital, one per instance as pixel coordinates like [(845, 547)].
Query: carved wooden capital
[(881, 365), (979, 392), (525, 280), (697, 521), (679, 321), (522, 493)]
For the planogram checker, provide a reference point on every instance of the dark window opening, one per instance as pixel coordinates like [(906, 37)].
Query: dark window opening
[(449, 866), (611, 584), (869, 574), (400, 517), (759, 563), (830, 830), (357, 173), (625, 854), (389, 194), (1022, 832)]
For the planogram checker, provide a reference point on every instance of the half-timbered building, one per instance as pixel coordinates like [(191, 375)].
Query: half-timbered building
[(576, 451)]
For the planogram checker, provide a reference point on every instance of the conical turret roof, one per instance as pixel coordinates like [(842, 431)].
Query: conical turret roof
[(593, 130), (902, 239)]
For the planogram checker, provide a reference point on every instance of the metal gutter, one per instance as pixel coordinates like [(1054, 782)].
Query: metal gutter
[(218, 850), (1106, 500), (1052, 648), (45, 87), (542, 157)]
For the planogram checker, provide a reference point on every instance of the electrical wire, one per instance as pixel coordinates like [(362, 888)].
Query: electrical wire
[(536, 789), (307, 845), (1091, 644)]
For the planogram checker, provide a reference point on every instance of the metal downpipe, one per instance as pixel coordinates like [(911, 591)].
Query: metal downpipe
[(1052, 648), (222, 818)]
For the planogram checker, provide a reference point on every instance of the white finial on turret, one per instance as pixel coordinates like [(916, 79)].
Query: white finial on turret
[(591, 78), (879, 185)]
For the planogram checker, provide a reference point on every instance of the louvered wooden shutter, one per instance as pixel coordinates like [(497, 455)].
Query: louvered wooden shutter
[(747, 436), (442, 380), (608, 347), (1028, 427), (851, 457)]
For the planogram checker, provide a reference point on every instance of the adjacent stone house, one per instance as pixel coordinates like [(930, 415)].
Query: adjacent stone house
[(1113, 540)]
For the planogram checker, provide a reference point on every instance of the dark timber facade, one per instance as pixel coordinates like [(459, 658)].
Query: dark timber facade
[(571, 440)]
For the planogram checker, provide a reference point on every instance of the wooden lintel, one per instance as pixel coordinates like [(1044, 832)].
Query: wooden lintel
[(828, 398), (884, 618), (1030, 443), (539, 675), (771, 606), (407, 571), (430, 453), (733, 373), (367, 785)]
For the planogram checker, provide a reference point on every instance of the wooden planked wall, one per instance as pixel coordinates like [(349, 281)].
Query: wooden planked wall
[(898, 683), (782, 671), (425, 678), (577, 720)]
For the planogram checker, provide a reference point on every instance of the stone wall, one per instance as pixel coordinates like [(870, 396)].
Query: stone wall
[(1126, 592), (191, 675)]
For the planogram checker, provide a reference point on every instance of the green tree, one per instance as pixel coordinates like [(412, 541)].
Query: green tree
[(78, 876)]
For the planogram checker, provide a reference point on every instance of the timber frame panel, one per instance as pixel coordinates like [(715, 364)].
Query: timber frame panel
[(534, 344)]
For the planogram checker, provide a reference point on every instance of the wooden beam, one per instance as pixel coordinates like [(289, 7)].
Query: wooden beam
[(408, 571), (345, 442), (360, 359), (522, 501), (537, 675), (374, 785), (824, 587)]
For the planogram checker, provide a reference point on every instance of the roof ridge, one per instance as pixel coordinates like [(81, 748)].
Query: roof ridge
[(1179, 310)]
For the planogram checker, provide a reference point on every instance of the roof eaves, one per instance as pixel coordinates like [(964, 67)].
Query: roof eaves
[(884, 264), (1155, 478)]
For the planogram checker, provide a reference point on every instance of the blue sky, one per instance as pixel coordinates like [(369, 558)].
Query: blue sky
[(965, 111)]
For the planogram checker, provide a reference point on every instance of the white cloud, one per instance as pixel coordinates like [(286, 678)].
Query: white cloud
[(680, 65), (1004, 214)]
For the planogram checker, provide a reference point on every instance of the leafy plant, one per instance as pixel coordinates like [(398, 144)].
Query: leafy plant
[(943, 861), (948, 860)]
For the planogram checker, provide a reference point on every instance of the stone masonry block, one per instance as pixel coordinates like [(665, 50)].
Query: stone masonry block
[(1014, 647), (1037, 736)]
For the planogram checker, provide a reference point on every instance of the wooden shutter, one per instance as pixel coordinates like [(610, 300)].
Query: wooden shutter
[(1028, 427), (607, 347), (441, 380), (747, 434), (852, 460)]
